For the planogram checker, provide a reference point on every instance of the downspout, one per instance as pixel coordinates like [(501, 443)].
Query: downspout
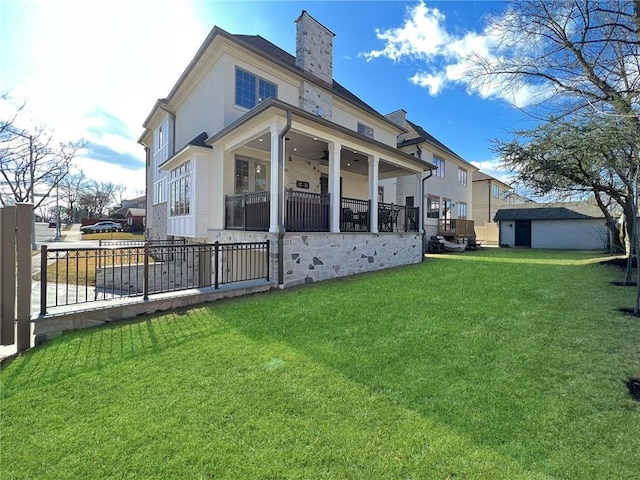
[(422, 214), (281, 152), (489, 213), (172, 115)]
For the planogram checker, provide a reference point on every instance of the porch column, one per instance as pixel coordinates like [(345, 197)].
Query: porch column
[(419, 201), (334, 186), (275, 194), (374, 162)]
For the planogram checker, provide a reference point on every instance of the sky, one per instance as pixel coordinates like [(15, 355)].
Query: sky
[(92, 69)]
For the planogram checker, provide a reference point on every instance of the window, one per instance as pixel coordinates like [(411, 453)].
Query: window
[(496, 191), (251, 176), (438, 162), (365, 130), (251, 90), (433, 206), (180, 190), (462, 177), (380, 193), (462, 210), (408, 201)]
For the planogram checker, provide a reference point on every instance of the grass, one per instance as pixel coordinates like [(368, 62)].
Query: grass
[(113, 236), (499, 364)]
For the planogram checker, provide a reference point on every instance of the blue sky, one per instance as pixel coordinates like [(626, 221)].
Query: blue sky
[(93, 69)]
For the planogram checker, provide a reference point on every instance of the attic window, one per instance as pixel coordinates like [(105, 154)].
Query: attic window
[(365, 130), (251, 89)]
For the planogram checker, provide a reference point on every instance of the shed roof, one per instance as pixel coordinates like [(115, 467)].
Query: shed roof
[(549, 211)]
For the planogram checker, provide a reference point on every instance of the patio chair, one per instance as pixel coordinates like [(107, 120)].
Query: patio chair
[(436, 244), (346, 220)]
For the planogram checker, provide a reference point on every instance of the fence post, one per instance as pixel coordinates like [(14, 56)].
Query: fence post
[(8, 273), (145, 280), (43, 280), (268, 262), (216, 247), (24, 212)]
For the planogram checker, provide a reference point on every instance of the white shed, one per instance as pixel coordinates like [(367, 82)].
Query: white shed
[(565, 225)]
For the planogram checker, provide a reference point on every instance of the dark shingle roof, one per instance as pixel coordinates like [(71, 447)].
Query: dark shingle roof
[(276, 53), (425, 136), (549, 211), (199, 141)]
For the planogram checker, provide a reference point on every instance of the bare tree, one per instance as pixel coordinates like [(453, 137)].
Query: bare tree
[(72, 187), (97, 198), (31, 163)]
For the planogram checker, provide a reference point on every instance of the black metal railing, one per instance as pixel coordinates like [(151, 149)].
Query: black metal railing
[(247, 211), (80, 275), (397, 218), (354, 215), (306, 212)]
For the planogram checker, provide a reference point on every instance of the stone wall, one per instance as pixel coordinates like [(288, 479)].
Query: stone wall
[(158, 231), (310, 258)]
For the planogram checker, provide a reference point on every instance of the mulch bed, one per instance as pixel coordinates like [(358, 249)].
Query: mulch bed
[(633, 384)]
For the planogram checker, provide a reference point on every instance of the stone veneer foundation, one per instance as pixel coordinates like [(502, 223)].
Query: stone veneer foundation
[(313, 257)]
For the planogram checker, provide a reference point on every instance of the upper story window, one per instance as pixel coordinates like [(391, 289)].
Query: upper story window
[(438, 162), (251, 90), (496, 191), (462, 177), (180, 190), (365, 130)]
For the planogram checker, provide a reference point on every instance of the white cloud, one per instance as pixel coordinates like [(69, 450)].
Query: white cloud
[(448, 57), (93, 70)]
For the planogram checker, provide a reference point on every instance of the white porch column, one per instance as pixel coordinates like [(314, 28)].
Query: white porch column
[(334, 186), (374, 162), (274, 193)]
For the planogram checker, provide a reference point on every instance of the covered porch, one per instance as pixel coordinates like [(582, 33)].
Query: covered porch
[(307, 174)]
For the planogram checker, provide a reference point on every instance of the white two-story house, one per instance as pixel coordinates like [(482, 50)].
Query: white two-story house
[(253, 143), (447, 200)]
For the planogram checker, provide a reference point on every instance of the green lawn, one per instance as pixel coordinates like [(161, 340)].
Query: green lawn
[(496, 364)]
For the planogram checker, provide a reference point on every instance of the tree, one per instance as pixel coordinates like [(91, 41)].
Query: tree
[(72, 187), (577, 156), (97, 198), (31, 163), (582, 58)]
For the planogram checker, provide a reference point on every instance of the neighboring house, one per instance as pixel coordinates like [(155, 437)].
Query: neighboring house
[(135, 218), (565, 225), (253, 144), (447, 196), (489, 195), (138, 202)]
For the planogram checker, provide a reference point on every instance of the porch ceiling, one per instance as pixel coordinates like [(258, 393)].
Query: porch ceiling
[(352, 161)]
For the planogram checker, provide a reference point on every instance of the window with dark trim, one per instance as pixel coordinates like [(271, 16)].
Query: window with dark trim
[(180, 190), (365, 130), (433, 206)]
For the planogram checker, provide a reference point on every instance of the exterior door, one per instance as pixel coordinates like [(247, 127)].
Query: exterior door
[(523, 233)]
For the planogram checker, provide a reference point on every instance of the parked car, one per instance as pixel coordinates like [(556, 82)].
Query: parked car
[(53, 223), (104, 226)]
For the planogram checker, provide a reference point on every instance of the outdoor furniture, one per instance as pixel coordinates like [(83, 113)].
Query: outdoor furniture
[(436, 244), (385, 220)]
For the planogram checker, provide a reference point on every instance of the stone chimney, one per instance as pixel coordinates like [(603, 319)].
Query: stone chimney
[(314, 47), (314, 55)]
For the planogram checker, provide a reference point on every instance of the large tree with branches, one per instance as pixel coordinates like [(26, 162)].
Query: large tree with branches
[(583, 60)]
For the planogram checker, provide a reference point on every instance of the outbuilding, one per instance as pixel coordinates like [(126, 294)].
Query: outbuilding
[(563, 225)]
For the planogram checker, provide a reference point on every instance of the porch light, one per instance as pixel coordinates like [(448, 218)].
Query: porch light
[(258, 168)]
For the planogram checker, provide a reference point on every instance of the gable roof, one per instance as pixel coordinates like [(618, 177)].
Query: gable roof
[(549, 211), (426, 137), (269, 51), (136, 212)]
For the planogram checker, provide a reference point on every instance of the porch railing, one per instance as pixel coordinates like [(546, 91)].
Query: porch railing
[(457, 227), (247, 211), (80, 275), (309, 212), (306, 212)]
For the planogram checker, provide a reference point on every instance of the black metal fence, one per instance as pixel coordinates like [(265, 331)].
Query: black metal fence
[(354, 215), (306, 212), (81, 275), (248, 211)]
